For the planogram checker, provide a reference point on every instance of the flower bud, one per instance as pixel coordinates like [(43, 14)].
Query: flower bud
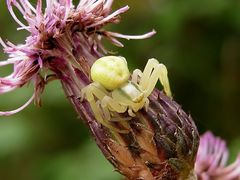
[(161, 144)]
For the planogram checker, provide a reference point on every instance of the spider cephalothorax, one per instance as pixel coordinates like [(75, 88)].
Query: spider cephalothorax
[(115, 91)]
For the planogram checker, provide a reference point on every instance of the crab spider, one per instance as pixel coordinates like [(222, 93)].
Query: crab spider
[(113, 90)]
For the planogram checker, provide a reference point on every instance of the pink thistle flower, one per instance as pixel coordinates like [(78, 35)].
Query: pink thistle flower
[(62, 35), (211, 160)]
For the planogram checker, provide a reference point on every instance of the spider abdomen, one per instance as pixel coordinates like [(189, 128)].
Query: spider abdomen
[(110, 71)]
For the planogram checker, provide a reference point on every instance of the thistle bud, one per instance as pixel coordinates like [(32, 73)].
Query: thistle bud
[(161, 144)]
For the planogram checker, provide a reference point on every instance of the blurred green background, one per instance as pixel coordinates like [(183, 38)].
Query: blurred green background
[(199, 42)]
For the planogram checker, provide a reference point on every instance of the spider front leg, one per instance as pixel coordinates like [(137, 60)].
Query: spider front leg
[(125, 105), (90, 92), (136, 75), (152, 72), (110, 103)]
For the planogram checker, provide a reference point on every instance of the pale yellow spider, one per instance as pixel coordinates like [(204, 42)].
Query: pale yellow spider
[(114, 91)]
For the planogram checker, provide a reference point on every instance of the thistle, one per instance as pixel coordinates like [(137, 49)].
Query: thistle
[(159, 141), (211, 160)]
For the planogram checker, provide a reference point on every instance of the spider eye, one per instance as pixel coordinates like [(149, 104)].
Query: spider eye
[(110, 71)]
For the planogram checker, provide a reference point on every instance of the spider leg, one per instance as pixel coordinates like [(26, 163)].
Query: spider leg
[(110, 117), (106, 113), (131, 113), (128, 103), (136, 75), (159, 72), (108, 101), (97, 90), (151, 64), (113, 104), (91, 91)]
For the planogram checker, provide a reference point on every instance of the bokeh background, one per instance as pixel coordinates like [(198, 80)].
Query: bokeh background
[(199, 42)]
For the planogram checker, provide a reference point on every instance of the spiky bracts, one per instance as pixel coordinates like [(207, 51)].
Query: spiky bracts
[(161, 144)]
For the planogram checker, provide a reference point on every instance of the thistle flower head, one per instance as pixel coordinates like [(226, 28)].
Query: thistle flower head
[(212, 158), (61, 35)]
